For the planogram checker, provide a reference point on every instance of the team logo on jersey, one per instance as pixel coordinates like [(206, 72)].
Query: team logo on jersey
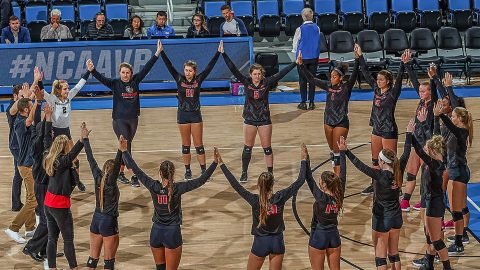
[(333, 92), (189, 92), (378, 100), (272, 210), (256, 94), (129, 89)]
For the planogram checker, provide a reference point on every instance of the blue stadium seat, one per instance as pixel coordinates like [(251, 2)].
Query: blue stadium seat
[(378, 15), (460, 14), (352, 17), (292, 10), (62, 3), (117, 15), (244, 11), (86, 13), (214, 15), (268, 18), (68, 15), (36, 19), (403, 15), (450, 49), (17, 11), (327, 18), (429, 14), (476, 11)]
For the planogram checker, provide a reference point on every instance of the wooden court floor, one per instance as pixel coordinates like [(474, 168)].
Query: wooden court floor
[(216, 223)]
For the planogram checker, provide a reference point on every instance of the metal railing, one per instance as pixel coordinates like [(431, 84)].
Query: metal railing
[(170, 11)]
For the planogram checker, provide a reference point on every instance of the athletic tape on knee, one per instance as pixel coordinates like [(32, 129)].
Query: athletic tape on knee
[(411, 177), (268, 151), (185, 149), (429, 241), (439, 245), (457, 216), (109, 264), (394, 258), (465, 211), (380, 261), (92, 263), (336, 159), (375, 161), (161, 266), (200, 150)]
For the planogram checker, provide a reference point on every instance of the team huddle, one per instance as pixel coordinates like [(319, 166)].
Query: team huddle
[(45, 157)]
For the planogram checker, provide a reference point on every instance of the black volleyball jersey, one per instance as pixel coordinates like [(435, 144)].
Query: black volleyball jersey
[(256, 107), (159, 193), (111, 192), (432, 174), (338, 96), (62, 182), (456, 143), (386, 193), (274, 223), (189, 91), (325, 208), (382, 117), (41, 143), (126, 100)]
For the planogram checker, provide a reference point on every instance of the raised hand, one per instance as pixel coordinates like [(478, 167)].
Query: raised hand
[(216, 156), (90, 66), (299, 60), (432, 70), (84, 132), (122, 144), (25, 91), (304, 152), (437, 109), (358, 50), (422, 115), (342, 144), (48, 110), (447, 79), (159, 47), (37, 75), (220, 47), (38, 92), (406, 56), (411, 126)]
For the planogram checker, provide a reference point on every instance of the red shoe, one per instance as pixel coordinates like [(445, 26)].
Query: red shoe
[(405, 205), (417, 206), (449, 224)]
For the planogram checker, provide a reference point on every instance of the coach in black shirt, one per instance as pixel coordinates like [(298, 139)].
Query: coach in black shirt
[(99, 28)]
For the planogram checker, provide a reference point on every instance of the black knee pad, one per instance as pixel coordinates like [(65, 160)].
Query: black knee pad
[(380, 261), (411, 177), (336, 159), (247, 150), (429, 241), (109, 264), (200, 150), (457, 216), (465, 211), (439, 245), (268, 151), (394, 258), (161, 266), (92, 263), (375, 161), (185, 149)]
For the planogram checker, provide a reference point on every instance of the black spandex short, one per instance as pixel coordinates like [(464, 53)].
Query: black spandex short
[(61, 131), (345, 123), (435, 206), (385, 224), (169, 236), (386, 135), (266, 245), (325, 238), (104, 225), (459, 174), (189, 117), (258, 123)]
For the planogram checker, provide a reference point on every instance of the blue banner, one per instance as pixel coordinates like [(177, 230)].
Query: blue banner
[(66, 60)]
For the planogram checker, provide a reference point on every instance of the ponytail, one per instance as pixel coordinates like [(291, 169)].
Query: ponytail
[(467, 120), (265, 187), (397, 173), (335, 186), (107, 170), (167, 171), (59, 146)]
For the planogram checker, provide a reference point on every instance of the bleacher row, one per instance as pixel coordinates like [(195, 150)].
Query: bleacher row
[(272, 16), (448, 50), (76, 14)]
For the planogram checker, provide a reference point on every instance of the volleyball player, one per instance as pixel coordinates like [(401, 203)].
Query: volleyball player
[(335, 117), (386, 213), (461, 126), (189, 116), (126, 101), (165, 236), (382, 118), (104, 225), (267, 214), (256, 111), (324, 237)]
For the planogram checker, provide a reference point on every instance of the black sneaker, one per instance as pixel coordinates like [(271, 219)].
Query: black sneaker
[(302, 106), (134, 181), (33, 255), (188, 175), (244, 177), (311, 106), (367, 191), (465, 239), (81, 186), (419, 262), (425, 267), (122, 179), (455, 250)]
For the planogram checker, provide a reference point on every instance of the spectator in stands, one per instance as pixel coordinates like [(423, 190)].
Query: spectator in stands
[(199, 27), (232, 26), (55, 30), (307, 40), (136, 29), (14, 33), (100, 27), (6, 11), (160, 28)]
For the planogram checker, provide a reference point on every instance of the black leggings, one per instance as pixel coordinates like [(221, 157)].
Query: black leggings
[(127, 128), (60, 220)]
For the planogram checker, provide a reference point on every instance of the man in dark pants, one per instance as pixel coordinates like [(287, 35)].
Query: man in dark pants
[(307, 41), (6, 11)]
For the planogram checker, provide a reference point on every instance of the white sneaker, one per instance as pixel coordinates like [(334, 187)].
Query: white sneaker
[(29, 234), (15, 236)]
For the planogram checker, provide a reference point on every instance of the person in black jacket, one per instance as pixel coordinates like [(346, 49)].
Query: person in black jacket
[(256, 110), (126, 101), (267, 213), (189, 116), (166, 236), (104, 226), (6, 10), (199, 27), (58, 166), (386, 213)]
